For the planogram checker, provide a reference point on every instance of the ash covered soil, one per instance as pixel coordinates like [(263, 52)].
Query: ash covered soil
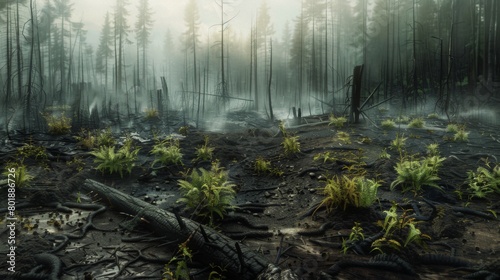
[(281, 206)]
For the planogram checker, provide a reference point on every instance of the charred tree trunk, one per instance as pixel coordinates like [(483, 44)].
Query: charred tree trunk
[(270, 80), (211, 247), (356, 93)]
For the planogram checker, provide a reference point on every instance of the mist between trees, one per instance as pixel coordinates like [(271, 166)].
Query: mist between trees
[(413, 51)]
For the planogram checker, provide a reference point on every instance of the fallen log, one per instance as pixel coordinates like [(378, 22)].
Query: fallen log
[(210, 246)]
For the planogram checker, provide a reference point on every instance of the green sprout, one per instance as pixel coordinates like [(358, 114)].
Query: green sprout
[(208, 192), (417, 123), (388, 124), (167, 152), (338, 122), (414, 174), (111, 161)]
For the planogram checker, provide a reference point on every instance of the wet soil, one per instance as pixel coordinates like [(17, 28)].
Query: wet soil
[(284, 202)]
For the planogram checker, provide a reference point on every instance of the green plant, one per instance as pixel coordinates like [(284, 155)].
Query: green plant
[(183, 255), (30, 150), (92, 139), (355, 236), (367, 189), (484, 181), (167, 152), (77, 163), (384, 154), (452, 128), (262, 165), (18, 172), (414, 174), (326, 156), (433, 116), (402, 119), (388, 124), (208, 192), (416, 123), (395, 227), (105, 138), (461, 135), (86, 139), (204, 152), (433, 149), (398, 143), (58, 125), (291, 145), (338, 122), (347, 191), (344, 137), (151, 113), (111, 161)]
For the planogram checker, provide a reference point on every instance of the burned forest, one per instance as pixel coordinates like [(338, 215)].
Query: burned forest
[(241, 139)]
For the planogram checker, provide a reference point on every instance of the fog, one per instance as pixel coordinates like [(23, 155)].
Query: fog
[(268, 56)]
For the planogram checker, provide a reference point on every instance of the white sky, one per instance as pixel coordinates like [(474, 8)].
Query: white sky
[(170, 14)]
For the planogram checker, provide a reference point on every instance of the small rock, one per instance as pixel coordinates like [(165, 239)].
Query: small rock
[(147, 198), (157, 188), (312, 190), (267, 194), (312, 174)]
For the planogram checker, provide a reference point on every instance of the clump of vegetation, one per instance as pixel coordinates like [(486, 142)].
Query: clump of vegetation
[(290, 144), (402, 119), (367, 189), (58, 125), (326, 157), (484, 181), (111, 161), (338, 122), (208, 192), (433, 116), (204, 152), (356, 235), (395, 227), (77, 163), (414, 174), (166, 152), (262, 165), (18, 173), (151, 114), (433, 149), (30, 150), (461, 135), (398, 143), (92, 139), (452, 128), (181, 258), (105, 138), (416, 123), (344, 137), (388, 124), (343, 191), (384, 154)]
